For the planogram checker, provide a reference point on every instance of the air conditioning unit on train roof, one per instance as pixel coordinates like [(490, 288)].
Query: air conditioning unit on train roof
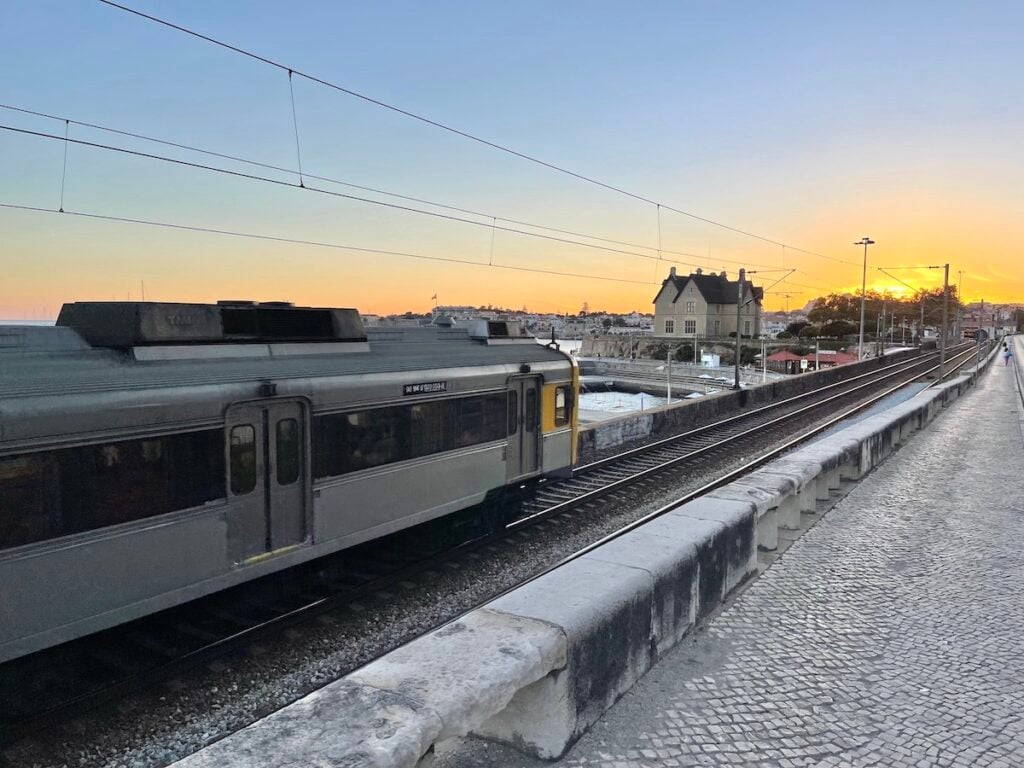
[(495, 331), (128, 324)]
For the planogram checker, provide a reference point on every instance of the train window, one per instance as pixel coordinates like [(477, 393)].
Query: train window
[(48, 494), (429, 428), (561, 406), (29, 509), (287, 448), (513, 412), (530, 416), (242, 443), (352, 441), (480, 420)]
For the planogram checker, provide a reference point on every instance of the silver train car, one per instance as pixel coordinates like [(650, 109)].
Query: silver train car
[(153, 453)]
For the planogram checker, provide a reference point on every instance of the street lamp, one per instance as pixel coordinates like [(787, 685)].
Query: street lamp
[(865, 241)]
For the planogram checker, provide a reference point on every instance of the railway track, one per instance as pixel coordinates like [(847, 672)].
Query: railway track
[(134, 657), (601, 477)]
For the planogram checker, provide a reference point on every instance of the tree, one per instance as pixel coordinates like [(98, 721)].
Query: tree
[(838, 328), (794, 328), (810, 332), (834, 307), (684, 353), (607, 323), (619, 322)]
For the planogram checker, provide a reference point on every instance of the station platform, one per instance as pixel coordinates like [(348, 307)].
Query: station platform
[(890, 634)]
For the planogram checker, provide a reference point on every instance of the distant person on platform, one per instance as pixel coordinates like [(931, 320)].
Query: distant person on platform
[(1007, 353)]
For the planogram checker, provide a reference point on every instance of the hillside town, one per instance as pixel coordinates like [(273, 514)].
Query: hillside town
[(700, 309)]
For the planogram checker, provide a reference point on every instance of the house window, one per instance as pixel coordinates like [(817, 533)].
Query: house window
[(691, 306), (670, 326), (718, 327), (689, 326), (746, 327)]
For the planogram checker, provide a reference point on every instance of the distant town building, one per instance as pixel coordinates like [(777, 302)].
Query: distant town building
[(705, 305), (771, 327)]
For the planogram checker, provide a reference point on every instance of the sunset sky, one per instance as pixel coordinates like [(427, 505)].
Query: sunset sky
[(808, 123)]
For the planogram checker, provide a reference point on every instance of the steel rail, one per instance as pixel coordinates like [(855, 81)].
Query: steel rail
[(871, 375), (217, 648), (636, 476)]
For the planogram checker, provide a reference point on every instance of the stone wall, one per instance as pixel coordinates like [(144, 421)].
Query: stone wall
[(672, 419)]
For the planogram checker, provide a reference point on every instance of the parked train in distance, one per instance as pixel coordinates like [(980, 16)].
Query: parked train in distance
[(153, 453)]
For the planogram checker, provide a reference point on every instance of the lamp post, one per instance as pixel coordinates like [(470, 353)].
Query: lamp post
[(865, 241)]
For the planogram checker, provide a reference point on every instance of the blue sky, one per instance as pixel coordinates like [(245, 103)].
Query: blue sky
[(813, 123)]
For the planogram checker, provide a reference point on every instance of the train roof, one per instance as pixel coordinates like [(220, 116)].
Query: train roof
[(40, 361)]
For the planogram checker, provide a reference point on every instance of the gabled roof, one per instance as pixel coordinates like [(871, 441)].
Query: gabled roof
[(785, 356), (714, 288)]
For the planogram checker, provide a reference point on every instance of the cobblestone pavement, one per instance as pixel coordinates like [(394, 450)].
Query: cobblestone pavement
[(890, 634)]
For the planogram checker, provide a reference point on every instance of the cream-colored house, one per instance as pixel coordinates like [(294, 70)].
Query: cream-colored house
[(705, 305)]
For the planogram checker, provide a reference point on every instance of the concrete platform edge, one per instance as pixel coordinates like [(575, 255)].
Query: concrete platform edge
[(538, 666)]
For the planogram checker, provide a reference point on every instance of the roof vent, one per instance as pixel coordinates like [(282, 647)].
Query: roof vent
[(495, 331), (130, 324)]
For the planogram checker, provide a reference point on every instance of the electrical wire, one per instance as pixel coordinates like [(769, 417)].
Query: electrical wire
[(459, 132), (901, 282), (314, 243), (292, 185), (304, 173), (319, 190), (278, 182)]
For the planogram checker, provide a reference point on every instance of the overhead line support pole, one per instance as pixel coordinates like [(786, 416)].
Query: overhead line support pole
[(739, 336), (945, 319), (865, 241)]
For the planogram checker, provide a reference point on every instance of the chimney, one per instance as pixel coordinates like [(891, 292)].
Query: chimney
[(700, 271), (724, 275), (743, 274), (672, 272)]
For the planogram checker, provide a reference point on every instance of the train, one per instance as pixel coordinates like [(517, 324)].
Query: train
[(153, 453)]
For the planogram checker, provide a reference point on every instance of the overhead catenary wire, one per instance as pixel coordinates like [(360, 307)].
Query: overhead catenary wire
[(308, 188), (295, 124), (64, 166), (319, 190), (459, 132), (313, 243), (885, 270), (304, 173)]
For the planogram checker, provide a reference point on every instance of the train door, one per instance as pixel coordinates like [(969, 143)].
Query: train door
[(523, 426), (266, 448)]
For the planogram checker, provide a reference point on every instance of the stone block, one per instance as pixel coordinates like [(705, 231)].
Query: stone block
[(765, 504), (604, 611), (341, 724), (712, 543), (737, 542), (786, 488), (671, 562), (470, 669)]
